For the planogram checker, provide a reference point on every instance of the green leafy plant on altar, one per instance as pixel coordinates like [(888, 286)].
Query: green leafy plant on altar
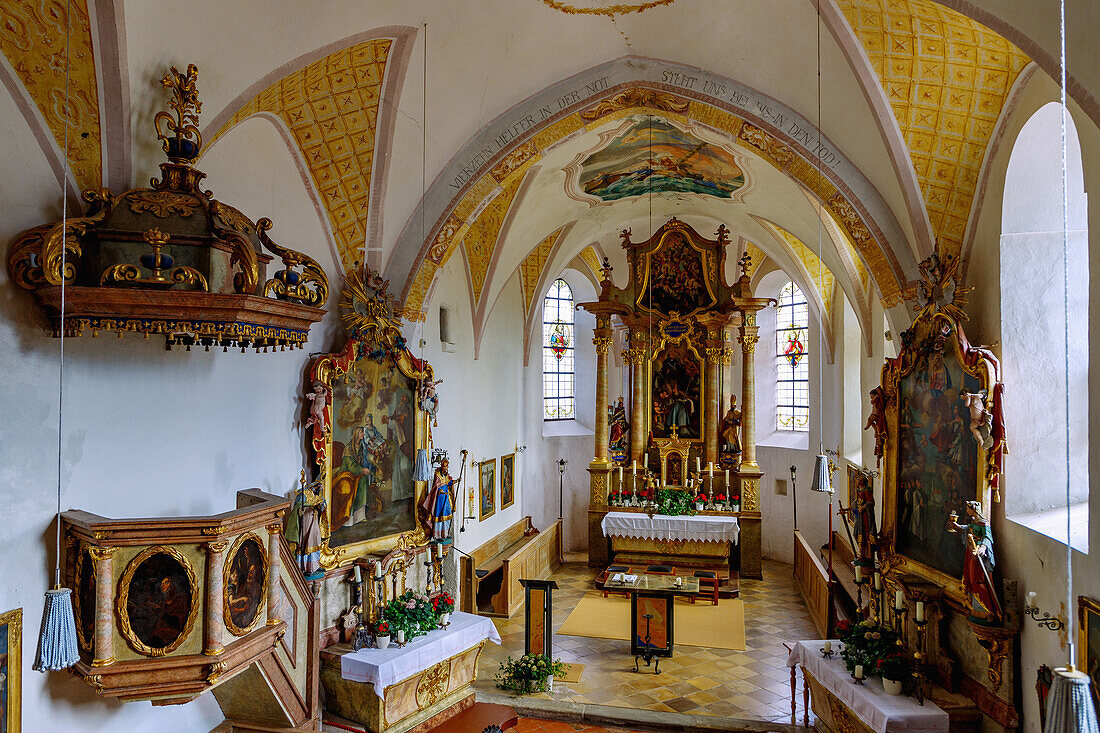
[(865, 643), (411, 612), (674, 502), (529, 673), (894, 666)]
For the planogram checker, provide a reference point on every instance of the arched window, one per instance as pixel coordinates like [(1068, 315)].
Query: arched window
[(792, 378), (558, 383)]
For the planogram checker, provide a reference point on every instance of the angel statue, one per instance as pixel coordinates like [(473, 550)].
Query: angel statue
[(429, 400), (438, 504), (978, 565), (981, 419), (318, 401)]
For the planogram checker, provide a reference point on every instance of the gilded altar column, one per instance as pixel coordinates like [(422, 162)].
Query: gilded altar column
[(274, 569), (748, 335), (602, 340), (635, 356), (103, 557), (214, 614), (710, 411)]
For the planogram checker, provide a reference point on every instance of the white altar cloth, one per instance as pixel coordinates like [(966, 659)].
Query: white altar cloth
[(383, 667), (884, 713), (663, 527)]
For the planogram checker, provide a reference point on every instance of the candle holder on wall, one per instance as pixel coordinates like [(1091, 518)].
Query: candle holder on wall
[(1045, 621)]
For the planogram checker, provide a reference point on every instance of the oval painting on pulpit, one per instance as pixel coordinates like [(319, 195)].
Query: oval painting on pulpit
[(245, 584), (158, 601)]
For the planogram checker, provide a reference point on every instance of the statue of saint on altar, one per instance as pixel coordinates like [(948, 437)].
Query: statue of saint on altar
[(439, 502), (730, 434), (985, 606), (619, 432)]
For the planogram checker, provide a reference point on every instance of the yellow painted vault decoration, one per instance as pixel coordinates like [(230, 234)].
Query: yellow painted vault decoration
[(947, 79), (819, 273), (591, 257), (33, 39), (756, 259), (530, 270), (331, 108)]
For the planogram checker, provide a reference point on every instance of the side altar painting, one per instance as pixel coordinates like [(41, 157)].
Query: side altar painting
[(367, 418)]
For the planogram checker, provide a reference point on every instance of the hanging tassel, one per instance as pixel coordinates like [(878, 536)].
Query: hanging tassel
[(423, 470), (1069, 704), (57, 642), (821, 480)]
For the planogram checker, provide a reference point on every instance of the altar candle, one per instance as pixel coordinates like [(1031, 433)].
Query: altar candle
[(878, 581), (1031, 597), (859, 668), (727, 478), (646, 463), (401, 640), (828, 647), (920, 611), (358, 574), (710, 467), (859, 574), (899, 601), (439, 550), (620, 475), (377, 569), (697, 469), (634, 468)]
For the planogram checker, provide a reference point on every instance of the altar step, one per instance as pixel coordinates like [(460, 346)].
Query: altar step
[(478, 718)]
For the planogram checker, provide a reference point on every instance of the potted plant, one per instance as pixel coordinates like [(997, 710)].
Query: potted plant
[(895, 669), (409, 615), (529, 673), (700, 500), (865, 643), (443, 605), (382, 634)]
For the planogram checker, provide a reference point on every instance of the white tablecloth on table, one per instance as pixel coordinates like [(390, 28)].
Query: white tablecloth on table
[(663, 527), (383, 667), (883, 713)]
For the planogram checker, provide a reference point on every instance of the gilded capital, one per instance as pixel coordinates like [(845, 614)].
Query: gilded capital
[(102, 553), (214, 548), (748, 342), (603, 344), (275, 527), (634, 356)]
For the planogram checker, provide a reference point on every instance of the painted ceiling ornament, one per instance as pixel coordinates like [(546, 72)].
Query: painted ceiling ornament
[(607, 7), (559, 339), (937, 291)]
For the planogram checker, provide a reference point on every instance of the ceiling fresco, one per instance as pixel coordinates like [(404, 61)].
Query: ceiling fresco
[(654, 156), (330, 107), (947, 78), (33, 39)]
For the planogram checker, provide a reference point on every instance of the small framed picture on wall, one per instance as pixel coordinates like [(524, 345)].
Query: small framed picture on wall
[(487, 478), (507, 481), (1088, 646)]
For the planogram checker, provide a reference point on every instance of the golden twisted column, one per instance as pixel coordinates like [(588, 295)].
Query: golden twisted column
[(214, 614), (103, 557), (748, 335), (635, 356), (602, 340)]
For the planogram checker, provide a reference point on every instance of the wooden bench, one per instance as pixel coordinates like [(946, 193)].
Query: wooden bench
[(490, 574)]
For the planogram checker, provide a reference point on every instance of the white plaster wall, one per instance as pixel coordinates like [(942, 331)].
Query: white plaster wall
[(1037, 561), (146, 432), (479, 405)]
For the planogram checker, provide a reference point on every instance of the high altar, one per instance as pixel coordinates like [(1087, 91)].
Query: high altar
[(679, 315)]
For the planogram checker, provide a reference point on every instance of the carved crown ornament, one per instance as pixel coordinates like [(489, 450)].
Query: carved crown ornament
[(171, 259)]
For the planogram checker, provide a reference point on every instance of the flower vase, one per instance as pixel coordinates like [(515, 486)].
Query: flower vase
[(444, 619), (549, 683), (892, 687), (382, 641), (698, 506)]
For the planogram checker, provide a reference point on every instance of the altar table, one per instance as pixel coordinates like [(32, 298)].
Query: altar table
[(840, 704), (430, 675), (701, 541)]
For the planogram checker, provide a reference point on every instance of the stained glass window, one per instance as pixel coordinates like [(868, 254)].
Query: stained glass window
[(558, 399), (792, 379)]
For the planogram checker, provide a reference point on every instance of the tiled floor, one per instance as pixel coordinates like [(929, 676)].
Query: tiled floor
[(752, 684)]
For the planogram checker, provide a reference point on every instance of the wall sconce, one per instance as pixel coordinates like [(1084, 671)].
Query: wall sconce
[(1046, 621), (520, 448)]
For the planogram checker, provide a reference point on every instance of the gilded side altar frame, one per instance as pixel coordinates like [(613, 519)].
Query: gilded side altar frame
[(14, 713), (975, 362), (368, 313)]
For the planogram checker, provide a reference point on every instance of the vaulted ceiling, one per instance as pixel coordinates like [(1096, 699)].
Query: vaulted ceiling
[(496, 108)]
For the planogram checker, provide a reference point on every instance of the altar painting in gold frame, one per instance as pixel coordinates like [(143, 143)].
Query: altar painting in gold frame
[(932, 462), (1088, 645), (679, 276), (367, 424), (11, 671), (675, 390)]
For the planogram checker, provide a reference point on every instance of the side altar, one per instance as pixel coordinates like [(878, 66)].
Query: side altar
[(680, 317)]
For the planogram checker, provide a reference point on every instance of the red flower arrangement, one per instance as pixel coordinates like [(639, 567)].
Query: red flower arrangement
[(382, 629), (702, 498), (721, 497), (443, 603)]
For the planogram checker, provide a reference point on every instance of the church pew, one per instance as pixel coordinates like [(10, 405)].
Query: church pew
[(490, 574)]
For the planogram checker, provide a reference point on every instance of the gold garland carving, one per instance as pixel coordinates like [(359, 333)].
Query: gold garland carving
[(162, 203), (233, 628), (433, 684), (123, 597)]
